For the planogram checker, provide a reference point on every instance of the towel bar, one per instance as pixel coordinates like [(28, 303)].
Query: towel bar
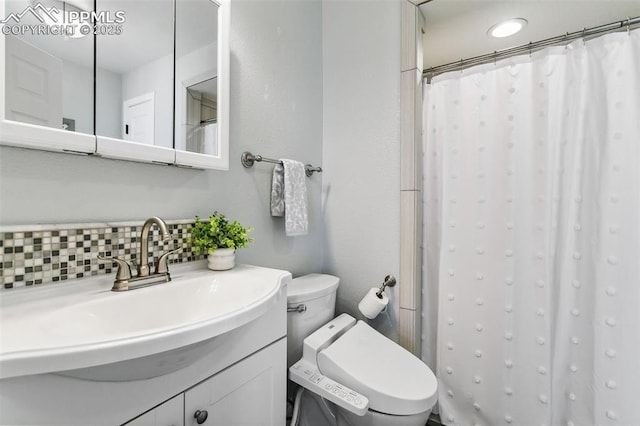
[(248, 159)]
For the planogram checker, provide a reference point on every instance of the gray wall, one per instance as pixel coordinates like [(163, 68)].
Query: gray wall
[(313, 80), (361, 149), (276, 110)]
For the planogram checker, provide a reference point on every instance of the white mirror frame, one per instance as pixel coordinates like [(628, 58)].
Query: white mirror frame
[(193, 159), (23, 135)]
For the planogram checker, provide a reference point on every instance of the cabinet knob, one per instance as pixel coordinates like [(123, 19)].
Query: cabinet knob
[(200, 416)]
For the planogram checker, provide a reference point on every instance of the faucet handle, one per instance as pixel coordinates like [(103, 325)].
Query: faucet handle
[(162, 267), (124, 269)]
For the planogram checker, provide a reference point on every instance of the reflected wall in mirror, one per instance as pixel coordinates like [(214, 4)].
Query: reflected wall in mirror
[(196, 96), (48, 71), (134, 81)]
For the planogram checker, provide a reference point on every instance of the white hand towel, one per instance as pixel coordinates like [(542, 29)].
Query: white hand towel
[(295, 198), (277, 191)]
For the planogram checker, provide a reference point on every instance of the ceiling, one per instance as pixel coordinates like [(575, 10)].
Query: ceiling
[(148, 31), (457, 29)]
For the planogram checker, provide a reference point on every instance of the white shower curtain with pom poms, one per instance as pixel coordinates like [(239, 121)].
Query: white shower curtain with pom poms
[(532, 237)]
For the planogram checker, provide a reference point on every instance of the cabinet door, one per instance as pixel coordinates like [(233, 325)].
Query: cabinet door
[(170, 413), (251, 392)]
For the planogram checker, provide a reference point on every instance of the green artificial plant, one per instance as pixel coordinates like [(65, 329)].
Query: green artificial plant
[(218, 232)]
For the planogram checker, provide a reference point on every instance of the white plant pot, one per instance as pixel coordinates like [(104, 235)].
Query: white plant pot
[(222, 259)]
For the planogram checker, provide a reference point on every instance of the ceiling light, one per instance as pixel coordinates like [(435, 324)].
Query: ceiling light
[(507, 28)]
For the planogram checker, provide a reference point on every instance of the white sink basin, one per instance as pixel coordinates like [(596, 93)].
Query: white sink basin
[(98, 334)]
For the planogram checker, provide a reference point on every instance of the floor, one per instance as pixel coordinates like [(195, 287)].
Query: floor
[(434, 420)]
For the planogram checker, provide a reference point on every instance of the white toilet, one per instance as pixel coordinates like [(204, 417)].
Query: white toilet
[(352, 374)]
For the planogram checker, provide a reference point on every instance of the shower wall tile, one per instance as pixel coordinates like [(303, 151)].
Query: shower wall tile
[(408, 51), (411, 130), (418, 247), (32, 255), (413, 26), (407, 125), (420, 31), (409, 327), (417, 131), (410, 255), (410, 283)]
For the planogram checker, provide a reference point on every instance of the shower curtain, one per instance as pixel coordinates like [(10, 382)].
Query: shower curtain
[(531, 297)]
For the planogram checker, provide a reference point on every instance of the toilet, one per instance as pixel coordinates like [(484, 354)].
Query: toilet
[(311, 303), (352, 375)]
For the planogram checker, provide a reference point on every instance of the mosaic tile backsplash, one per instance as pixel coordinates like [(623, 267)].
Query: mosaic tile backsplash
[(34, 255)]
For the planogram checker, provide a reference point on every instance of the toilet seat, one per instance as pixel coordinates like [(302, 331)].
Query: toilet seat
[(394, 380)]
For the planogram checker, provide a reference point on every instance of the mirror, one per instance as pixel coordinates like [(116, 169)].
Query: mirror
[(156, 89), (134, 74), (196, 95), (48, 64)]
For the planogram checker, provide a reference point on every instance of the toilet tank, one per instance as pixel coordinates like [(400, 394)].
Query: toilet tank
[(317, 293)]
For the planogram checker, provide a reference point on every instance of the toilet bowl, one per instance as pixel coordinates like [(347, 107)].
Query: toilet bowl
[(353, 375)]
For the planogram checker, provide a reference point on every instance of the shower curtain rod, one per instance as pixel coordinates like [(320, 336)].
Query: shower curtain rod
[(530, 47)]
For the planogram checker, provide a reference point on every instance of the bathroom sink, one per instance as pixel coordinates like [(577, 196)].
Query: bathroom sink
[(83, 329)]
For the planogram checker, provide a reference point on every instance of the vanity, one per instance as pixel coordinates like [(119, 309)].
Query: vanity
[(145, 82), (205, 348)]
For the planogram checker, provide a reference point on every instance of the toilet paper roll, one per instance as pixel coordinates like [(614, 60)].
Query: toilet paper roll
[(371, 305)]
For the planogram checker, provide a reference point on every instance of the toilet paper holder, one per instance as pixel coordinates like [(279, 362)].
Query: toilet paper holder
[(389, 281)]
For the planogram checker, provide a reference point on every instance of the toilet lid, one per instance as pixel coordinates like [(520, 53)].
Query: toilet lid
[(312, 286), (393, 379)]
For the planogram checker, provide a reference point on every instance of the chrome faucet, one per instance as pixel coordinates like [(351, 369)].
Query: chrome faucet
[(124, 278)]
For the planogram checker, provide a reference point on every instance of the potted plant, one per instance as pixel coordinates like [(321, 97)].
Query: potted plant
[(218, 238)]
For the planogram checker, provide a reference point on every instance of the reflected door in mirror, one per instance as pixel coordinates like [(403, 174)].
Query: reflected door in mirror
[(48, 65)]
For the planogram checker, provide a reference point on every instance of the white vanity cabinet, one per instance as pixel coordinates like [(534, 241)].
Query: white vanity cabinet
[(247, 393), (223, 399), (237, 374), (170, 413)]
